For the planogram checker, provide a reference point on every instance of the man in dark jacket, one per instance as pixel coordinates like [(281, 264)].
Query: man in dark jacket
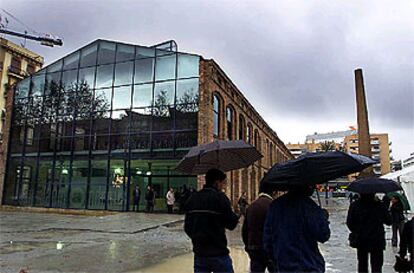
[(252, 233), (150, 198), (294, 226), (137, 196), (366, 219), (208, 214), (407, 241)]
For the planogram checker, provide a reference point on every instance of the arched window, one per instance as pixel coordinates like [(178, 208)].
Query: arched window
[(271, 153), (249, 133), (242, 128), (230, 122), (216, 116), (256, 139)]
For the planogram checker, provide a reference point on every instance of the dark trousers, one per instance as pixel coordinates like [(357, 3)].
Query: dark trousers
[(150, 207), (219, 264), (135, 207), (396, 231), (259, 262), (376, 259), (170, 208)]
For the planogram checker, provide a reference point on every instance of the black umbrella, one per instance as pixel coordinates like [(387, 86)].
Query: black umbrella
[(219, 154), (373, 185), (315, 168)]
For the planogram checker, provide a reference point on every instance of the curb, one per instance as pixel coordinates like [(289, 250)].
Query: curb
[(57, 211)]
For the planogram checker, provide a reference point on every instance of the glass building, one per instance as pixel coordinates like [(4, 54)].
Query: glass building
[(89, 127)]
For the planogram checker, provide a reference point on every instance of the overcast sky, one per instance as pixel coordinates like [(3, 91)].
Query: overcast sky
[(293, 60)]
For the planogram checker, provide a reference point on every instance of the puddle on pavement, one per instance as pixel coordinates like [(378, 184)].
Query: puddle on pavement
[(184, 263), (25, 246)]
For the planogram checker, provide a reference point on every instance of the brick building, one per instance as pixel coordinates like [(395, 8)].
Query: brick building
[(226, 114), (380, 149), (16, 63), (110, 116)]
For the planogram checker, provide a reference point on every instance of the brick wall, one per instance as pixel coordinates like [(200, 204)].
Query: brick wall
[(4, 145), (213, 81)]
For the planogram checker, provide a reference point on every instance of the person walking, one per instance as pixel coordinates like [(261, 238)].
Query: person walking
[(208, 215), (294, 226), (184, 195), (150, 198), (252, 232), (407, 242), (170, 200), (242, 203), (137, 196), (397, 214), (366, 219)]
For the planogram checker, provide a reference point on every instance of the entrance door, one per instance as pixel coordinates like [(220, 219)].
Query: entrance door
[(118, 184), (59, 184)]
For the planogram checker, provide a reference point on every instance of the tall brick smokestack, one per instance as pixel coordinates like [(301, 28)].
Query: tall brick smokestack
[(364, 144)]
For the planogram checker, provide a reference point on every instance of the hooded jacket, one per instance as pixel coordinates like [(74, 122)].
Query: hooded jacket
[(294, 226)]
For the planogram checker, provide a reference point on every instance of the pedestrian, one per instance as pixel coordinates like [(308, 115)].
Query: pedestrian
[(252, 232), (407, 242), (242, 203), (366, 219), (137, 196), (184, 195), (397, 214), (294, 226), (150, 198), (170, 200), (208, 215)]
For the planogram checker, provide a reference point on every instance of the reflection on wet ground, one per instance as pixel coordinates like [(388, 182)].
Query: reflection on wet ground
[(184, 263), (26, 246)]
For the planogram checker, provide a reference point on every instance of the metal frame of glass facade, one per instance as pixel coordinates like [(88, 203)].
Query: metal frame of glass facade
[(89, 126)]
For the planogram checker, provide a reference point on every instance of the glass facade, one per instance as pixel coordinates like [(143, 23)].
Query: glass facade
[(89, 127)]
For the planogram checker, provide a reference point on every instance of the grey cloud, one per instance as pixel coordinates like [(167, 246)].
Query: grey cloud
[(291, 58)]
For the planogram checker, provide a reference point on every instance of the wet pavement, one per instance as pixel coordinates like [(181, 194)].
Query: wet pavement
[(135, 242)]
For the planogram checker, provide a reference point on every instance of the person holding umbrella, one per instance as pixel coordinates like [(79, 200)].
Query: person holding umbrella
[(208, 215), (295, 223), (294, 226), (366, 219)]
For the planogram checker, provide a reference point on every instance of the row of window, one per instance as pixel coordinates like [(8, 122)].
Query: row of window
[(143, 142), (245, 132), (124, 97), (16, 66), (103, 76)]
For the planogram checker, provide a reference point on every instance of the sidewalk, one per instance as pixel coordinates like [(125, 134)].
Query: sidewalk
[(129, 242), (44, 242)]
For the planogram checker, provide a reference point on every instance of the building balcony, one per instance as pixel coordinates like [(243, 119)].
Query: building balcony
[(16, 72), (375, 142)]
